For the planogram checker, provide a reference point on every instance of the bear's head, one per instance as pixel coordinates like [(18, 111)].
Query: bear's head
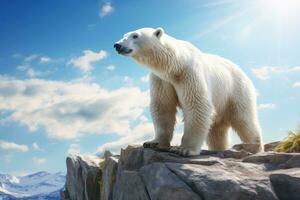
[(139, 43)]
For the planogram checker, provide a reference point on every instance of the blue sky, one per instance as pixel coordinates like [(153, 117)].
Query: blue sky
[(64, 90)]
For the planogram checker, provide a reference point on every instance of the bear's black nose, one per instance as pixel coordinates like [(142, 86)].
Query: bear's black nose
[(117, 46)]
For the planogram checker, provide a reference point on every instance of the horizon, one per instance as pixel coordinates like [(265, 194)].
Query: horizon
[(64, 90)]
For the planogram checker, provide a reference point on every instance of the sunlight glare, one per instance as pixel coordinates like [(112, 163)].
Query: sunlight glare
[(280, 9)]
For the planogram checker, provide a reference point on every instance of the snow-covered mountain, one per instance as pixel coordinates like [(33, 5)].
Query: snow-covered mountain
[(40, 185)]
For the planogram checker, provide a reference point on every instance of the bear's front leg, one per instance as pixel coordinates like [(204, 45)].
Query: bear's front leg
[(163, 111), (198, 113)]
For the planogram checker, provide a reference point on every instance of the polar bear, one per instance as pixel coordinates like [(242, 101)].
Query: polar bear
[(213, 93)]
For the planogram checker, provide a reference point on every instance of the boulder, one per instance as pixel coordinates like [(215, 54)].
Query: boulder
[(271, 146), (82, 180), (109, 168), (274, 160), (286, 184)]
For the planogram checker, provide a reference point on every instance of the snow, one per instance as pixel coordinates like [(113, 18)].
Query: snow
[(33, 184)]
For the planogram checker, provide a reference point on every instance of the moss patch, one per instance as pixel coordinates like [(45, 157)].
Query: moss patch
[(291, 144)]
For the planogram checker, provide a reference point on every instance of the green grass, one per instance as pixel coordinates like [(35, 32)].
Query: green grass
[(291, 144)]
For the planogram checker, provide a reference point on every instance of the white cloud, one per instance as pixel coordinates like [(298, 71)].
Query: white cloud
[(13, 146), (61, 109), (139, 134), (47, 60), (23, 67), (31, 58), (145, 79), (296, 84), (36, 146), (128, 81), (84, 63), (74, 149), (266, 106), (111, 67), (31, 72), (266, 72), (39, 161), (106, 9)]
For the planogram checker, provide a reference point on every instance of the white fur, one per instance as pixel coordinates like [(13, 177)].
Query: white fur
[(213, 93)]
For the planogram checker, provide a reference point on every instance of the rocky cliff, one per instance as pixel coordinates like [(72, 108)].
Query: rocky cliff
[(144, 174)]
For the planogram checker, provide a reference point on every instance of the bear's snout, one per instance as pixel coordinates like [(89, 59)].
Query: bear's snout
[(117, 47), (121, 49)]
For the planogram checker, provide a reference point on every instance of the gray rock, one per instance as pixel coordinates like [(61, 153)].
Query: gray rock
[(270, 146), (64, 195), (129, 186), (131, 158), (286, 184), (223, 182), (230, 153), (109, 169), (82, 181), (275, 160), (161, 183), (248, 147)]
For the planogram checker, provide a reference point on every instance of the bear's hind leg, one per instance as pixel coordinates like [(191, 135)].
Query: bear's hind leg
[(217, 138), (248, 129)]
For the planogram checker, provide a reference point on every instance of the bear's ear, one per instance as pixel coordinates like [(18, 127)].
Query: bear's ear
[(159, 32)]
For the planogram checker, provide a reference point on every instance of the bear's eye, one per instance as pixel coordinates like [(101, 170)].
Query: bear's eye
[(135, 36)]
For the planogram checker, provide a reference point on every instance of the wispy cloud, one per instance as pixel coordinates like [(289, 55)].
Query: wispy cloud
[(266, 106), (296, 84), (47, 60), (106, 9), (39, 161), (111, 67), (145, 79), (84, 62), (13, 146), (31, 72), (266, 72), (35, 146), (31, 58), (61, 109)]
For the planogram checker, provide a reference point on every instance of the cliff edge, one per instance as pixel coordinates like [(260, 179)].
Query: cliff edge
[(146, 174)]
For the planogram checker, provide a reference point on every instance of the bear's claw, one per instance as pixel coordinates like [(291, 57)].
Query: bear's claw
[(150, 144), (183, 151)]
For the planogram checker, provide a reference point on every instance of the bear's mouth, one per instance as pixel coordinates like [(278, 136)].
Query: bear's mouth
[(124, 51)]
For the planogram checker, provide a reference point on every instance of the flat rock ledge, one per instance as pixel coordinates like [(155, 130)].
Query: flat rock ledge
[(144, 174)]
